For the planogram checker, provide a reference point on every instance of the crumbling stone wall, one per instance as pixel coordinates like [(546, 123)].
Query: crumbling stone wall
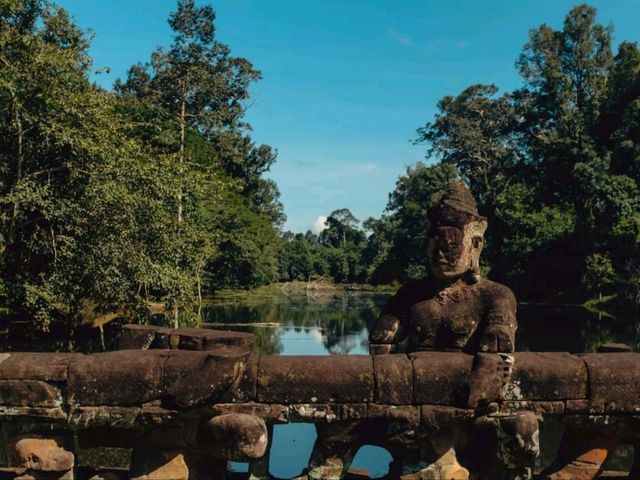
[(188, 401)]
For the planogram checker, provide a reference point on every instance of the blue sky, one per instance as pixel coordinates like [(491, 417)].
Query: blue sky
[(346, 83)]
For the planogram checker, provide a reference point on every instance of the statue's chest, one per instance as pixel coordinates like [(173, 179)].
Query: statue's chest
[(444, 323)]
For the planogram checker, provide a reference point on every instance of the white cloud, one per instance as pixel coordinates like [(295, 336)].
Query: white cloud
[(400, 38), (319, 225)]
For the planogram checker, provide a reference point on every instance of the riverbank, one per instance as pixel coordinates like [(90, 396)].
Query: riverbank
[(313, 288)]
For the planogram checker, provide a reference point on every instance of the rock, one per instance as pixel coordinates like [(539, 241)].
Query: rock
[(116, 378), (614, 380), (234, 437), (332, 379), (393, 379), (546, 376), (154, 464), (193, 378), (143, 337), (441, 378), (48, 367), (29, 393), (42, 454)]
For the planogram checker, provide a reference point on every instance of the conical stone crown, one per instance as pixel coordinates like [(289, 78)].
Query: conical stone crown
[(458, 197)]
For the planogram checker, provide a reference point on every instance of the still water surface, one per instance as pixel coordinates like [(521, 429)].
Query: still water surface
[(339, 324)]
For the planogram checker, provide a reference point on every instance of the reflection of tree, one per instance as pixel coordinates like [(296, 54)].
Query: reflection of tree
[(573, 329), (344, 319)]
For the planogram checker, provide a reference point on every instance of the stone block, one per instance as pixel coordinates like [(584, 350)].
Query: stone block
[(234, 437), (124, 377), (269, 412), (194, 378), (314, 413), (115, 417), (393, 379), (223, 341), (435, 418), (42, 454), (48, 367), (614, 380), (153, 464), (406, 414), (546, 376), (245, 386), (141, 337), (309, 379), (489, 374), (441, 378), (29, 393)]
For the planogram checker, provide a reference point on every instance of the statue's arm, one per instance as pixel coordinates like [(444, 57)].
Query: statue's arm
[(500, 323), (390, 328)]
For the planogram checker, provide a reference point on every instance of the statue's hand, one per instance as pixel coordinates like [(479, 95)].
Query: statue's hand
[(496, 338)]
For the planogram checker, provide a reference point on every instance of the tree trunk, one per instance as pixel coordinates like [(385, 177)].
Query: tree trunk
[(19, 163), (183, 107)]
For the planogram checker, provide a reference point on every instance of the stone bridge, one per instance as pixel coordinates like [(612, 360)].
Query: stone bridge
[(188, 401)]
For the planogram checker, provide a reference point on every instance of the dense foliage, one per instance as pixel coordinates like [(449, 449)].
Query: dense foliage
[(153, 193), (555, 166), (111, 201)]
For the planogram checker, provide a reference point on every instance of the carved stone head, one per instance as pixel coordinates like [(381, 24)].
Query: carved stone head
[(455, 235)]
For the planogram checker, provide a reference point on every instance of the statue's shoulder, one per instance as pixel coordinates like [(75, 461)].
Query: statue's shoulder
[(409, 293), (496, 292)]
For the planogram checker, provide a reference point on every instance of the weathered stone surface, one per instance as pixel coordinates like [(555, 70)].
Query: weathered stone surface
[(152, 415), (441, 378), (141, 337), (42, 454), (332, 379), (393, 379), (489, 374), (48, 367), (193, 378), (269, 412), (539, 408), (214, 340), (29, 393), (32, 414), (234, 437), (434, 418), (154, 464), (353, 411), (245, 386), (116, 378), (315, 412), (407, 414), (115, 417), (613, 381), (546, 376)]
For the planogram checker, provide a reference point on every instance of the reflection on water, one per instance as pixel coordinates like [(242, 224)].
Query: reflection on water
[(302, 325), (340, 324)]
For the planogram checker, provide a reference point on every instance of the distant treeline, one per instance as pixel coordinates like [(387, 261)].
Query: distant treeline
[(154, 191), (554, 165)]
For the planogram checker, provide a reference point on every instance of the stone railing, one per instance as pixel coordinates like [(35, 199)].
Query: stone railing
[(189, 401)]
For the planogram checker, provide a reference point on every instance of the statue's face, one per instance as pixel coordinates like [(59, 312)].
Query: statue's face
[(451, 250)]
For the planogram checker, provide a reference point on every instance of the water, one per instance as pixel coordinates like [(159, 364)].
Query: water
[(340, 324)]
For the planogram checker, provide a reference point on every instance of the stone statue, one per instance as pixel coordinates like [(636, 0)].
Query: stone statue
[(454, 308)]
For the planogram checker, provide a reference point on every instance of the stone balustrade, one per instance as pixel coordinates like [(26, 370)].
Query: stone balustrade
[(189, 401)]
